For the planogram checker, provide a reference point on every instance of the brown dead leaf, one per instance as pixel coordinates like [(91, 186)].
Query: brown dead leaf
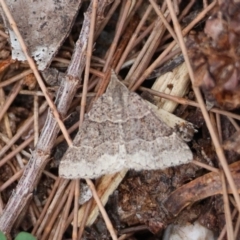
[(43, 24)]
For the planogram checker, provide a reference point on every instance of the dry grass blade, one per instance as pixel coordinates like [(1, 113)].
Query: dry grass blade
[(75, 213), (227, 212)]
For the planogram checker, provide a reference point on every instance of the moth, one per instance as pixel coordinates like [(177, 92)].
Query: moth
[(122, 132)]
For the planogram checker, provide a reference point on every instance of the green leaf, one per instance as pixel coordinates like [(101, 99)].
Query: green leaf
[(2, 236), (25, 236)]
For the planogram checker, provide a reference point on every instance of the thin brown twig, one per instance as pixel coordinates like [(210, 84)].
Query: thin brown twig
[(16, 150), (3, 34), (70, 130), (125, 236), (55, 231), (12, 95), (36, 210), (75, 210), (88, 60), (124, 41), (84, 220), (7, 125), (234, 123), (15, 78), (227, 212), (224, 230), (219, 129), (18, 156), (186, 9), (5, 118), (50, 175), (145, 33), (205, 4), (16, 176), (237, 226), (101, 208), (117, 49), (185, 101), (121, 12), (214, 124), (12, 167), (132, 11), (107, 18), (203, 165), (32, 215)]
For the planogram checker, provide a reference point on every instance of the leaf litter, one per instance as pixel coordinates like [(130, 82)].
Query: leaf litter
[(140, 200)]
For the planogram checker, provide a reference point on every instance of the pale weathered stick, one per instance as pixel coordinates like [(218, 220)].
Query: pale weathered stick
[(82, 109), (40, 156)]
